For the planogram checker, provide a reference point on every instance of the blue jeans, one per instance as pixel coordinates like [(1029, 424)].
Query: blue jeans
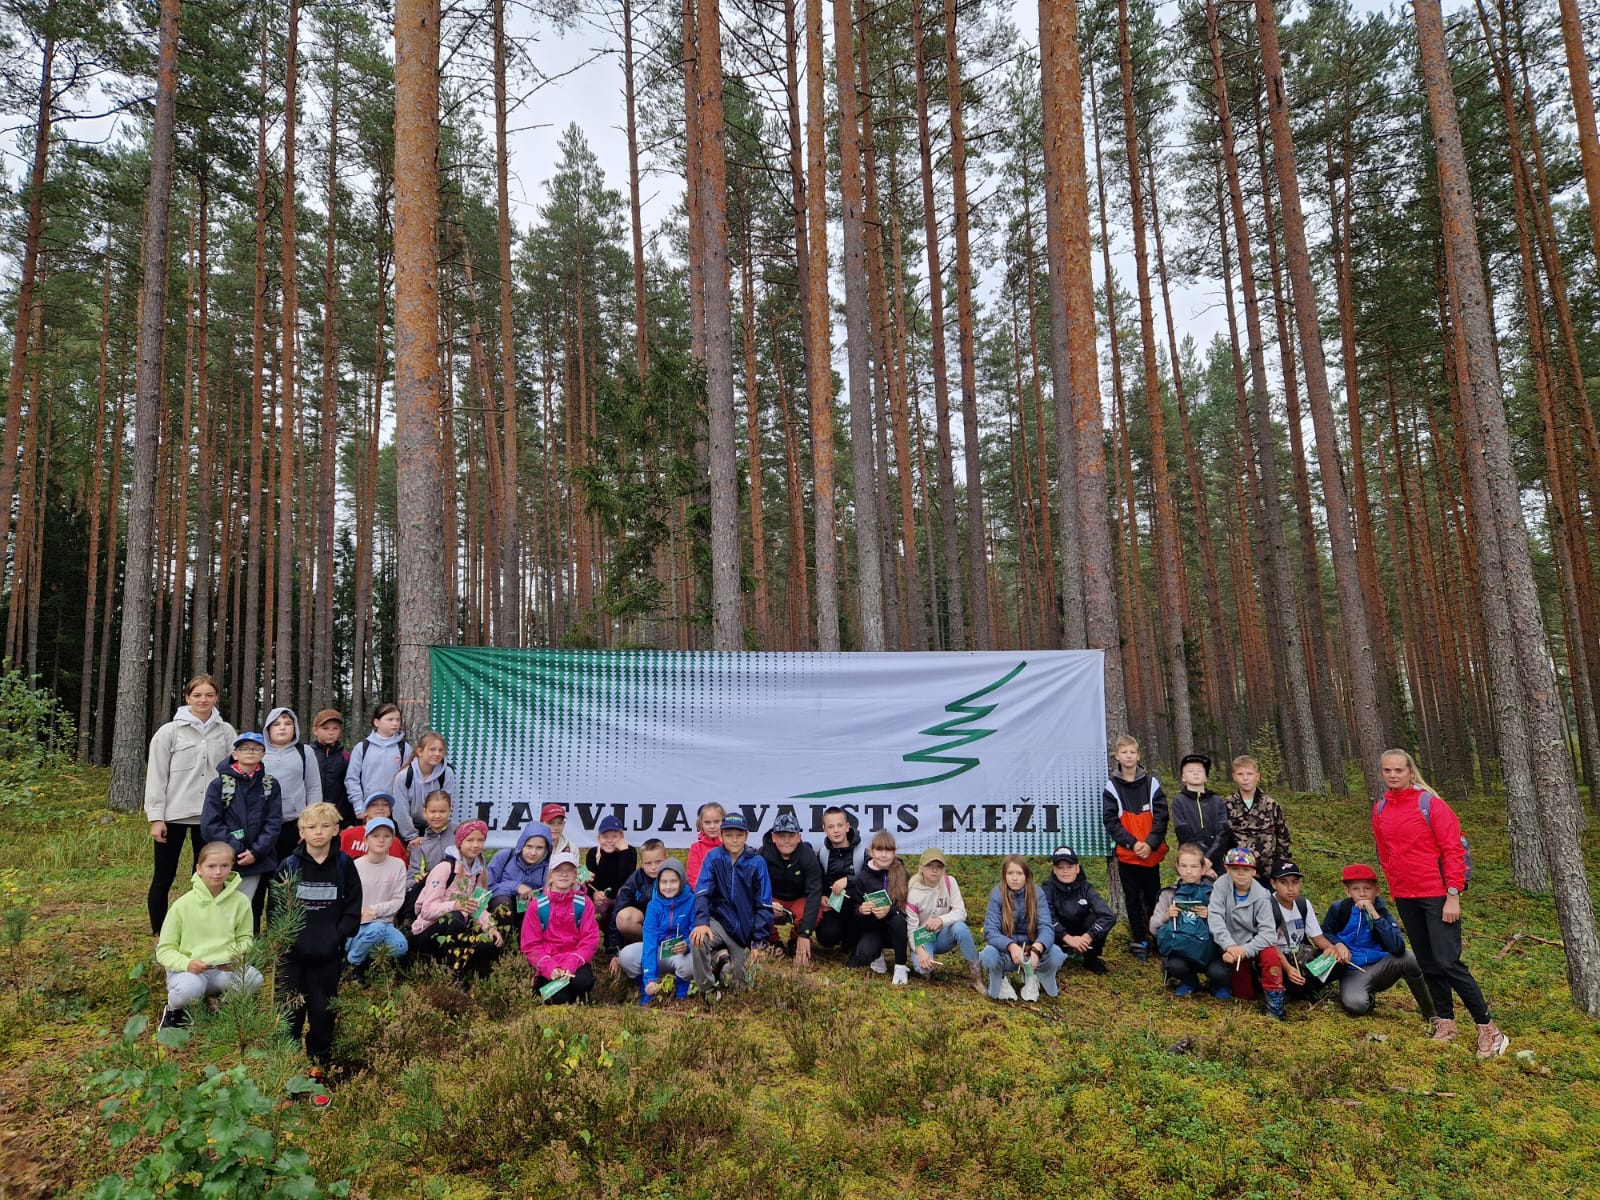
[(948, 938), (372, 935), (999, 965)]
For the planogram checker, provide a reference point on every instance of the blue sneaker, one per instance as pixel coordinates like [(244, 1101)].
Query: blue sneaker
[(644, 996), (1222, 993), (1185, 989), (682, 991)]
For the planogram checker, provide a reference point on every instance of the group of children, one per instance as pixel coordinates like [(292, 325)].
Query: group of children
[(675, 927)]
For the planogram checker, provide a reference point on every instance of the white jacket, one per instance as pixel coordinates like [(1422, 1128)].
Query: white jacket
[(184, 756)]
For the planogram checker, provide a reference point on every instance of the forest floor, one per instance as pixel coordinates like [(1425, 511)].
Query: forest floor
[(822, 1084)]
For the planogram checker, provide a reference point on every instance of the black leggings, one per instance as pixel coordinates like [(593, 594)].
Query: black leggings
[(1437, 945), (1218, 973), (577, 989), (1140, 887), (876, 934), (834, 930), (459, 944), (168, 855)]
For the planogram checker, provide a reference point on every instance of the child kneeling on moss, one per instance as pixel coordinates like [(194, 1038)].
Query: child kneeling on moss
[(560, 934), (206, 932), (1240, 916), (668, 921)]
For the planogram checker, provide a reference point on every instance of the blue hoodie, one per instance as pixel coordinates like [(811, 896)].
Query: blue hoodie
[(665, 918), (737, 895), (507, 871)]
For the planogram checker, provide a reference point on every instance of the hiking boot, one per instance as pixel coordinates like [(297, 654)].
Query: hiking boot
[(879, 966), (1140, 951), (1030, 989), (1444, 1030), (1491, 1042), (901, 975), (1007, 992), (975, 973), (1275, 1005)]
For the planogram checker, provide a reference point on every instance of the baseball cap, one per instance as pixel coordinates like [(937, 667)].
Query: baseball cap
[(378, 823), (1063, 854), (1196, 758), (326, 715), (1356, 872), (931, 855), (609, 824), (254, 739), (553, 811), (735, 820), (1285, 869), (786, 822), (1240, 857), (565, 859)]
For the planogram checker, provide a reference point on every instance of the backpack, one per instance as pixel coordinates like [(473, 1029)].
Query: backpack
[(1301, 907), (230, 785), (1187, 935), (1425, 803), (542, 907)]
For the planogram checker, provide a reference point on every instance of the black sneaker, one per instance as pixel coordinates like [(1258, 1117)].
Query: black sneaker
[(719, 968), (1095, 966), (1140, 951), (174, 1018)]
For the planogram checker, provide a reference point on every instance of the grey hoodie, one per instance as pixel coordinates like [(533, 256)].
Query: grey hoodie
[(293, 768), (1246, 922)]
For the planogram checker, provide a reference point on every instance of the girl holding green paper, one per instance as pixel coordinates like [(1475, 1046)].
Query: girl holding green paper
[(879, 898), (560, 935), (453, 923)]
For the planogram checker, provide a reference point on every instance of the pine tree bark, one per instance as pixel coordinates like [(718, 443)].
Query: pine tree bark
[(247, 688), (711, 184), (1556, 800), (1583, 111), (421, 619), (321, 630), (1358, 648), (858, 334), (819, 365), (1072, 288), (1305, 757), (20, 338), (508, 602), (971, 436), (96, 500), (133, 659), (1168, 548), (956, 639), (205, 419), (283, 668)]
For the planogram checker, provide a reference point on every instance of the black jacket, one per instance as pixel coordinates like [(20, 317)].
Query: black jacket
[(1203, 820), (330, 896), (841, 862), (332, 762), (795, 878), (1076, 908)]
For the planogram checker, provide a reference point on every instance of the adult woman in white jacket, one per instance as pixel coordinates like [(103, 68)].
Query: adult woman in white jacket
[(183, 760)]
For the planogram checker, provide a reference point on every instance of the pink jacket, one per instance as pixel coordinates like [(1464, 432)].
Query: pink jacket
[(450, 881), (566, 943), (703, 846)]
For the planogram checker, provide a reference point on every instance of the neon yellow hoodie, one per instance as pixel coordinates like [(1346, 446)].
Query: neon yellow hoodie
[(213, 929)]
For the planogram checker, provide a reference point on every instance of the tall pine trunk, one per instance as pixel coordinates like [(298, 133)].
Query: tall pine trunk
[(133, 658), (421, 617), (1556, 800), (819, 365)]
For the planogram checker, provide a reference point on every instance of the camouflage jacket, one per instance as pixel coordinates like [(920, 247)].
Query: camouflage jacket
[(1261, 827)]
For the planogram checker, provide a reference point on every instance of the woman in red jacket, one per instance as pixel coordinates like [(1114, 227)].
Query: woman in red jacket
[(1425, 861)]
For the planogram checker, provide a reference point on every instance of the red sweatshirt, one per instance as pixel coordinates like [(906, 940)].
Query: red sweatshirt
[(1420, 858), (703, 845)]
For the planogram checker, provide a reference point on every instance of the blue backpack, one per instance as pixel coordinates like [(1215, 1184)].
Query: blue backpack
[(1425, 803), (542, 907), (1187, 934)]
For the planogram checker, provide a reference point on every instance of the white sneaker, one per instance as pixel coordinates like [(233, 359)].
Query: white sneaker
[(1007, 992), (1030, 989), (879, 966), (901, 975)]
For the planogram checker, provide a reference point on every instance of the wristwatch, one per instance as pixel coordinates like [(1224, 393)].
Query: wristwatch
[(1452, 891)]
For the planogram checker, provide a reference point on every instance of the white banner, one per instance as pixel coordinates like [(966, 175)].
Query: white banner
[(980, 753)]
